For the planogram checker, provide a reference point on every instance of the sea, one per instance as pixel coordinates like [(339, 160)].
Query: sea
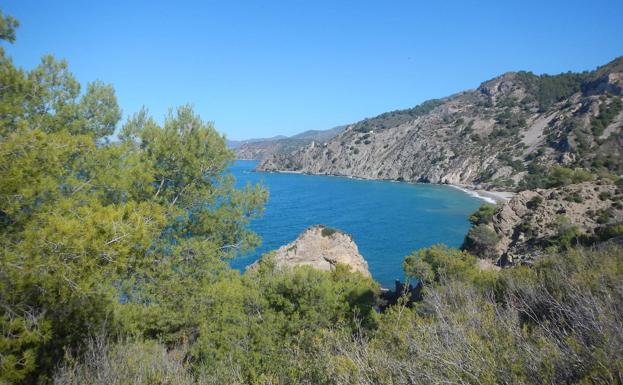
[(387, 220)]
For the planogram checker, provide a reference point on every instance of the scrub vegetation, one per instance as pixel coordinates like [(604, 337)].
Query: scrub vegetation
[(113, 270)]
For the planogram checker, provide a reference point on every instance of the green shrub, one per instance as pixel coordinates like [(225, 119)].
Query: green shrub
[(557, 176), (574, 197), (605, 195), (603, 216), (438, 263), (567, 234), (481, 241), (328, 231), (483, 214), (610, 231), (534, 202), (395, 118), (556, 322), (549, 89), (607, 113), (128, 362)]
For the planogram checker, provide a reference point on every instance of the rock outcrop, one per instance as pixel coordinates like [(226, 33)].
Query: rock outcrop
[(485, 138), (321, 248), (588, 212)]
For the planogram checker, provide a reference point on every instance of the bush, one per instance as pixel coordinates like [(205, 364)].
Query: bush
[(534, 202), (127, 362), (439, 263), (574, 197), (610, 231), (603, 216), (567, 235), (607, 113), (328, 231), (605, 195), (483, 214), (558, 322), (549, 89), (481, 241), (395, 118), (557, 176)]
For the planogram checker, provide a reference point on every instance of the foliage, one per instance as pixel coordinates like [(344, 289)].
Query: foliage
[(567, 234), (481, 240), (549, 89), (328, 231), (534, 202), (516, 164), (607, 113), (439, 263), (127, 362), (8, 25), (395, 118), (556, 176), (558, 322), (86, 223), (483, 214), (113, 270)]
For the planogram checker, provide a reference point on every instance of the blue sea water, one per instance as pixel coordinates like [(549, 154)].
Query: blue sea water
[(387, 220)]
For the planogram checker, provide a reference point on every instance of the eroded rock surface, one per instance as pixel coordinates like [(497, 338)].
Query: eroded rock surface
[(533, 220), (321, 248), (485, 138)]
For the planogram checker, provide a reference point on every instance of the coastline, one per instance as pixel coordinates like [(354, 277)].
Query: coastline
[(493, 197)]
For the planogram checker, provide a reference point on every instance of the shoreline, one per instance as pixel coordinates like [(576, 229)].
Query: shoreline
[(493, 197)]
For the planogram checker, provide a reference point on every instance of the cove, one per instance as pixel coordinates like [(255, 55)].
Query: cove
[(387, 220)]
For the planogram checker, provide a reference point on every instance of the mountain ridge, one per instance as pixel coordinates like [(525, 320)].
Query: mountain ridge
[(499, 136), (257, 149)]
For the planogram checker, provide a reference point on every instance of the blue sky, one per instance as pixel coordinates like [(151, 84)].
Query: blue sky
[(263, 68)]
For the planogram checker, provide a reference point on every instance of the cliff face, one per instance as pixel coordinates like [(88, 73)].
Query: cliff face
[(485, 138), (588, 212), (321, 248)]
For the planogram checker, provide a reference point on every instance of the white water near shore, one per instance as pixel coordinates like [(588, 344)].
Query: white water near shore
[(492, 197)]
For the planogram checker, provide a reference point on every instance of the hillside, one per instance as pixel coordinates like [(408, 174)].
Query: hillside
[(233, 144), (504, 134), (258, 149), (535, 221)]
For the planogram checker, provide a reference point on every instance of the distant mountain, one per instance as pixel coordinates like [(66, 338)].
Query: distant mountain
[(505, 134), (319, 134), (258, 149), (233, 144)]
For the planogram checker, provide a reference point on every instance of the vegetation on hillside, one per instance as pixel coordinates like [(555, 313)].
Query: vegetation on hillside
[(556, 322), (550, 89), (113, 270), (395, 118)]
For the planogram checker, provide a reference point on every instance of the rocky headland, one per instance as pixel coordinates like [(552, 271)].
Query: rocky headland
[(320, 247)]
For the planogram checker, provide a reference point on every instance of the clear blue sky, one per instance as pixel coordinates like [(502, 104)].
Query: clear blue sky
[(263, 68)]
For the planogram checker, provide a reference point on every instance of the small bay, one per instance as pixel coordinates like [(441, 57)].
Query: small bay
[(387, 220)]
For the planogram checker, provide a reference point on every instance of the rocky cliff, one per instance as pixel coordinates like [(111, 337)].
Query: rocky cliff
[(322, 248), (488, 138), (584, 213)]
